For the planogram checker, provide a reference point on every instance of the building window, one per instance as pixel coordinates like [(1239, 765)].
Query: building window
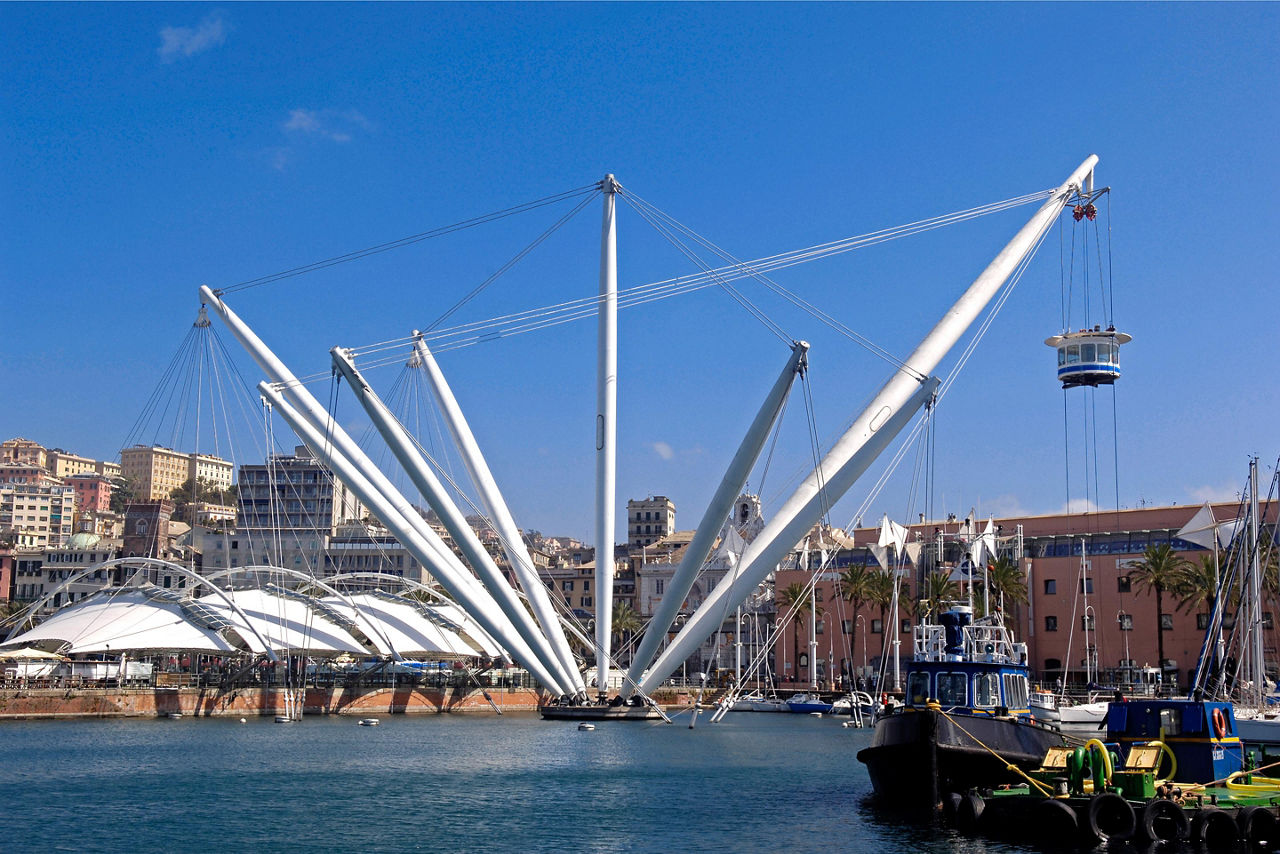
[(1266, 619), (1086, 622), (1050, 624), (1202, 621), (586, 601), (658, 585), (1050, 586), (1166, 622), (1124, 584), (846, 627), (586, 586), (820, 627), (877, 627), (906, 626), (1086, 585), (1126, 622), (568, 586)]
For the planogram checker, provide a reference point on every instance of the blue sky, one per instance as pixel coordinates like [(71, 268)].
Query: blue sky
[(147, 149)]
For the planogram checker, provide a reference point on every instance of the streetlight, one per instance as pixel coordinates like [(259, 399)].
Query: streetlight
[(1089, 650), (863, 620), (1120, 615)]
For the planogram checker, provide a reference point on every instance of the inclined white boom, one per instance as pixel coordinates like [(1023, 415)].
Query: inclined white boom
[(890, 410), (494, 504), (720, 508), (453, 520), (471, 597), (400, 516)]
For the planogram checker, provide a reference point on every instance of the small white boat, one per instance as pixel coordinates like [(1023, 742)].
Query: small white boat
[(283, 719), (1084, 715), (369, 722), (586, 727), (1044, 707), (174, 715)]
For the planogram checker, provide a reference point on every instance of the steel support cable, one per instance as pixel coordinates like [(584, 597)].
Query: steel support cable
[(586, 306), (135, 432), (407, 241), (519, 256), (786, 294), (737, 295)]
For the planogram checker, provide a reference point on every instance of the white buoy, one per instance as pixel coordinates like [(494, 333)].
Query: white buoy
[(243, 721), (368, 722)]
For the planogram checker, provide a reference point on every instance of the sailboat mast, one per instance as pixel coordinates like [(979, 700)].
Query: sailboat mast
[(606, 431), (1257, 669)]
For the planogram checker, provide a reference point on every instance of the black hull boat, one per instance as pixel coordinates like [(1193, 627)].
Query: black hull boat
[(966, 716), (598, 712), (913, 748)]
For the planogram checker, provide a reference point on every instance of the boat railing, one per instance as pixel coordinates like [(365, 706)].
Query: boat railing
[(929, 642), (992, 644)]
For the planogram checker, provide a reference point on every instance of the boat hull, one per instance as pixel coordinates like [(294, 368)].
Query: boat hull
[(911, 745), (599, 713)]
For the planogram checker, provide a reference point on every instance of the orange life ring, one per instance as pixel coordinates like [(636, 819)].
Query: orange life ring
[(1219, 722)]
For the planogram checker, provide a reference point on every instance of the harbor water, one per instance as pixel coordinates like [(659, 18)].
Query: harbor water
[(754, 782)]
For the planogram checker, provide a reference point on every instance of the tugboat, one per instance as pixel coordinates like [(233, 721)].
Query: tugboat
[(965, 718)]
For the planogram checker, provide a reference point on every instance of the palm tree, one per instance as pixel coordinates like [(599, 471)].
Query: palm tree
[(1198, 584), (937, 589), (626, 622), (796, 597), (855, 586), (880, 588), (1007, 581), (1160, 569)]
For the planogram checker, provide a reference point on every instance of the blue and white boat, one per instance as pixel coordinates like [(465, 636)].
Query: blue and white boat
[(966, 715), (808, 704)]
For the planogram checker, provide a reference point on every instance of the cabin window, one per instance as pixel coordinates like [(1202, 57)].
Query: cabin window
[(986, 690), (1073, 354), (918, 687), (1062, 356), (1088, 352), (952, 689), (1015, 691)]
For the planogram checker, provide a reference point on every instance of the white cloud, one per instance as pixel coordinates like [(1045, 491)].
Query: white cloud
[(663, 450), (1225, 492), (1078, 505), (176, 42), (334, 125)]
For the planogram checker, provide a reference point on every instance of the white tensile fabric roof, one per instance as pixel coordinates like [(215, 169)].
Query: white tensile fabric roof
[(288, 621), (397, 625), (479, 636), (120, 620)]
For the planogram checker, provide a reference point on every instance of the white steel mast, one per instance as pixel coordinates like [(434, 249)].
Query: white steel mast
[(496, 506), (906, 391), (451, 517), (606, 432)]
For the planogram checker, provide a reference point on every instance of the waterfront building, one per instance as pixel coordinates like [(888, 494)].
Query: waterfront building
[(23, 452), (26, 473), (156, 472), (650, 520), (1063, 558), (65, 464), (93, 491), (35, 515)]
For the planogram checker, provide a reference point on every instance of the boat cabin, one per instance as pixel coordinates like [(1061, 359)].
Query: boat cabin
[(1202, 735), (1089, 357), (968, 667)]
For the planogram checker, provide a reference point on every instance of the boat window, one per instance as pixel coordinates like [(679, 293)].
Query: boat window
[(986, 690), (1106, 353), (1073, 354), (1015, 691), (1088, 352), (918, 687), (1062, 356), (952, 689)]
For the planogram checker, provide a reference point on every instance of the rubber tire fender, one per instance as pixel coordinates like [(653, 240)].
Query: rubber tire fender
[(1055, 819), (951, 806), (1258, 825), (1163, 819), (1215, 829), (969, 812), (1109, 816)]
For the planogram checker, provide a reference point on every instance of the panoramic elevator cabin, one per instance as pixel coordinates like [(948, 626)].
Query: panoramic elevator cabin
[(1089, 357)]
